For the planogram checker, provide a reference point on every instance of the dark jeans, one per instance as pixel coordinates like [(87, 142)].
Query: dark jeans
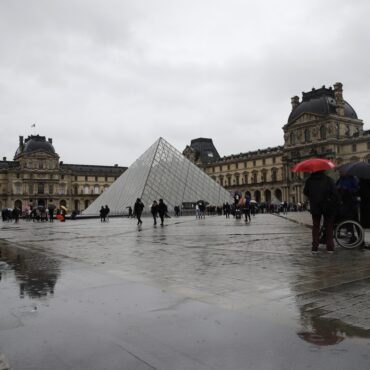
[(154, 218), (161, 216), (328, 225), (138, 216)]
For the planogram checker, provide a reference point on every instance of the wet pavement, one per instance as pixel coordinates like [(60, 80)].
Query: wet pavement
[(195, 294)]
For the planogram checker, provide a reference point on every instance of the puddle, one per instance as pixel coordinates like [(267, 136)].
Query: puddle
[(35, 274)]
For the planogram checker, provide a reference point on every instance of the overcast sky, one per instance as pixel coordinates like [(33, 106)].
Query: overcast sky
[(105, 79)]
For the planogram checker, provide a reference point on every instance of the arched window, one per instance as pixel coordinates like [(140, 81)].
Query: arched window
[(86, 189)]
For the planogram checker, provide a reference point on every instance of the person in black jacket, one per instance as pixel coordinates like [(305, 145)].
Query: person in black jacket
[(138, 210), (154, 211), (162, 210), (323, 196)]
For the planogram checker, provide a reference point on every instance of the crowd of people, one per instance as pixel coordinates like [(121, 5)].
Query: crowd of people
[(35, 214)]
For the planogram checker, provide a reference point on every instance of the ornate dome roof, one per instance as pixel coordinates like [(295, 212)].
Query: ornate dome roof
[(321, 101), (34, 143)]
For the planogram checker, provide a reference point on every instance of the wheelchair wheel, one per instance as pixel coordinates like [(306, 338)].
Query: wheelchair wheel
[(349, 234)]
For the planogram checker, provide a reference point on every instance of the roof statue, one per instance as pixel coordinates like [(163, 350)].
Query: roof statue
[(161, 172)]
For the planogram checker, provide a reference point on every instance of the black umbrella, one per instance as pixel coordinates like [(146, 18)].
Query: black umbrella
[(359, 169)]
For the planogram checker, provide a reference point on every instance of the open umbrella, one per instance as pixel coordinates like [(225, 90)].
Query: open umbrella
[(64, 208), (314, 165), (359, 169)]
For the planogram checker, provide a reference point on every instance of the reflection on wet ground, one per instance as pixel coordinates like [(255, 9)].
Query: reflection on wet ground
[(200, 285), (35, 273)]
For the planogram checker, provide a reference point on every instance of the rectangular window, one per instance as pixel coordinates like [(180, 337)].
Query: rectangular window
[(51, 189), (40, 188), (354, 147), (273, 159), (62, 189), (263, 161), (17, 188)]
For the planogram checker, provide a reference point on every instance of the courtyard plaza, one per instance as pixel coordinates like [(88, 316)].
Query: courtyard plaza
[(213, 293)]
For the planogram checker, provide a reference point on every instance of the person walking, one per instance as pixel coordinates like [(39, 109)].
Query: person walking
[(227, 210), (323, 196), (154, 211), (51, 208), (138, 210), (102, 214), (247, 209), (162, 210), (106, 212)]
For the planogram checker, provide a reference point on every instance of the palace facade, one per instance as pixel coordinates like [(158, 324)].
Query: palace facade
[(321, 125), (36, 177)]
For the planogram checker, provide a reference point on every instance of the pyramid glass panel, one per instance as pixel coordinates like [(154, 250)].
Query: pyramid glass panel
[(161, 172)]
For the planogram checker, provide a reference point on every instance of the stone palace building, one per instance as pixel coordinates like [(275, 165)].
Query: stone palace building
[(321, 125), (36, 177)]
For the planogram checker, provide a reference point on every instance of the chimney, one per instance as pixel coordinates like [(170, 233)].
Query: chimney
[(338, 94), (4, 159), (50, 140), (116, 165), (61, 163), (295, 102), (20, 141)]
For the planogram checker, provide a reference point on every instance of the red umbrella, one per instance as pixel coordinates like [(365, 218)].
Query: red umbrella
[(314, 165)]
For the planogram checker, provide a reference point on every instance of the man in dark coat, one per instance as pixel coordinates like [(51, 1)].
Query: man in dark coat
[(154, 211), (323, 196), (138, 210), (162, 210)]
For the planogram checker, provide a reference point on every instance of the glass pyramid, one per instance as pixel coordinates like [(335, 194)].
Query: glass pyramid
[(161, 172)]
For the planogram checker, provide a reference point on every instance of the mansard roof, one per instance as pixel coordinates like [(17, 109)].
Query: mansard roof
[(320, 101), (254, 153)]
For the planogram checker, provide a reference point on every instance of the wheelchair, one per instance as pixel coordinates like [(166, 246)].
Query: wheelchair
[(348, 234)]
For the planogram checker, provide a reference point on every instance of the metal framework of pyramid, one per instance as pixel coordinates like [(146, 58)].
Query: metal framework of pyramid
[(161, 172)]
